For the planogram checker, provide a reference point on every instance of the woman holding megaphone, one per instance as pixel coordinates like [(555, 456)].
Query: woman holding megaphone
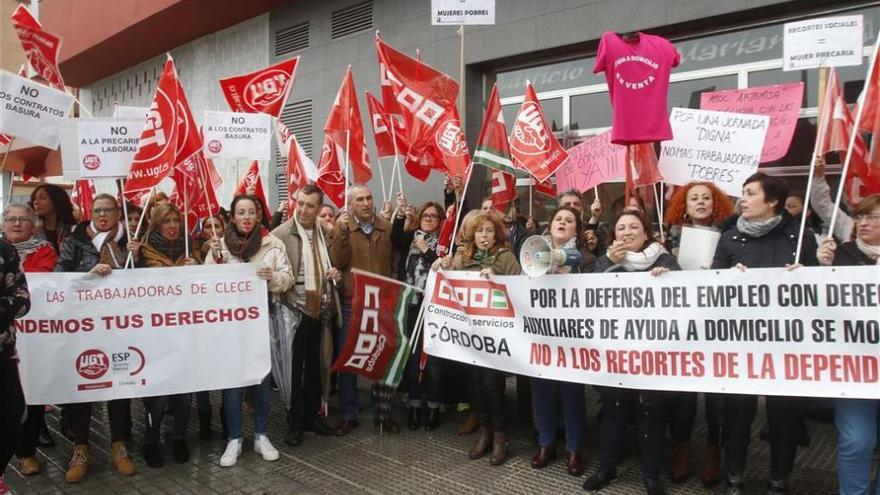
[(632, 249)]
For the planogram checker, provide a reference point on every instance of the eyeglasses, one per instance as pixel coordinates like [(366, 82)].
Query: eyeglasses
[(18, 220), (103, 211), (432, 216), (873, 217)]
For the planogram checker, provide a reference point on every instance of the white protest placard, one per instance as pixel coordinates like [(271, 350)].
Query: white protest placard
[(720, 147), (30, 110), (767, 331), (126, 112), (67, 137), (462, 12), (107, 146), (238, 135), (143, 333), (825, 42), (697, 247)]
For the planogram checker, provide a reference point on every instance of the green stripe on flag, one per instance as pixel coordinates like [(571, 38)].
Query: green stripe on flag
[(498, 299), (490, 157), (394, 372)]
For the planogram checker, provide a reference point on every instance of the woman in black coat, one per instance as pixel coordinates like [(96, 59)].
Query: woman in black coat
[(764, 236), (631, 248)]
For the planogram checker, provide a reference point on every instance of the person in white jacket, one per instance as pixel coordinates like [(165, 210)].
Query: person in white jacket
[(823, 204), (246, 241)]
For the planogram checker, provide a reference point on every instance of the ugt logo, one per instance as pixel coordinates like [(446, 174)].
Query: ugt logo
[(92, 364), (266, 88), (474, 297)]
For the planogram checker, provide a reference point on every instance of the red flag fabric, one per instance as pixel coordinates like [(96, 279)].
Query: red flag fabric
[(493, 149), (331, 179), (450, 145), (381, 123), (252, 184), (158, 144), (40, 47), (532, 144), (870, 97), (193, 194), (296, 176), (82, 195), (262, 91), (547, 188), (377, 346), (642, 169), (189, 136), (389, 100), (444, 243), (344, 128), (424, 95), (503, 190)]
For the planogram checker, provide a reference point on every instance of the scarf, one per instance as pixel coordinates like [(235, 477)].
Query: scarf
[(569, 244), (28, 247), (868, 250), (484, 258), (315, 263), (173, 250), (757, 228), (417, 268), (644, 260), (107, 244), (244, 246)]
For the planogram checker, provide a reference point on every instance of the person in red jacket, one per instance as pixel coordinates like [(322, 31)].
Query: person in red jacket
[(35, 255)]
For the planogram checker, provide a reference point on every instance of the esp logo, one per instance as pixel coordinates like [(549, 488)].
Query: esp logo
[(92, 364), (474, 297)]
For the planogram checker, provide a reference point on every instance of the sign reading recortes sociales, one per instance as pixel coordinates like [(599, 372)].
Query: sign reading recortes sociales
[(767, 331), (720, 147), (825, 42), (462, 12), (143, 333), (106, 146), (262, 91), (237, 135), (30, 111)]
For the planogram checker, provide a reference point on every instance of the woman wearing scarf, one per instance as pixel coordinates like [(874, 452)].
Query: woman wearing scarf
[(632, 249), (565, 224), (763, 236), (34, 255), (484, 249), (55, 213), (246, 241), (697, 204), (164, 247), (857, 420), (97, 246), (418, 251)]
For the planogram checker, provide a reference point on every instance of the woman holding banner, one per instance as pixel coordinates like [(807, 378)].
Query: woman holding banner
[(857, 420), (703, 205), (763, 236), (632, 248), (565, 224), (418, 250), (97, 246), (484, 249), (247, 241), (34, 255), (55, 212), (163, 246)]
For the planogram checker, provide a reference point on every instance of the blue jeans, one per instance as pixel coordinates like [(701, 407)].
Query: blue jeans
[(154, 411), (574, 410), (232, 399), (347, 382), (857, 426)]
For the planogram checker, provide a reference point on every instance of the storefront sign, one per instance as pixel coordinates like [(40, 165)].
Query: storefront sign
[(462, 12), (825, 42)]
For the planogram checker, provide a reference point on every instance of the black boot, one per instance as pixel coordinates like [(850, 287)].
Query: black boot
[(734, 484), (432, 421), (294, 436), (653, 487), (45, 439), (181, 451), (600, 479), (414, 421), (205, 425), (66, 428), (317, 426), (777, 486), (153, 456)]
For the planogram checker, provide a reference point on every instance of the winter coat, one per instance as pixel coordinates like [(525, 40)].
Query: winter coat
[(665, 260), (505, 263), (15, 300), (77, 253), (848, 254), (402, 240), (272, 254), (153, 258), (41, 260), (774, 249), (351, 248)]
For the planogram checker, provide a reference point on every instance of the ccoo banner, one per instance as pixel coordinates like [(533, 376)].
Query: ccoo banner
[(238, 135), (142, 333), (30, 110), (107, 146), (764, 331)]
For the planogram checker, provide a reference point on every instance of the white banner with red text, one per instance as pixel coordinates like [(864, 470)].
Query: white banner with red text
[(808, 332), (141, 333)]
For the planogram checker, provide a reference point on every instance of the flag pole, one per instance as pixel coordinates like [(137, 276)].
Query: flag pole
[(820, 138), (853, 136), (396, 158), (186, 218), (391, 182), (130, 259), (347, 170), (461, 97), (531, 187), (459, 204), (382, 180), (120, 186), (657, 201)]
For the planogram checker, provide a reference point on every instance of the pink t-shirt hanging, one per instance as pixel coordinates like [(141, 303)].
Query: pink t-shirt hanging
[(637, 71)]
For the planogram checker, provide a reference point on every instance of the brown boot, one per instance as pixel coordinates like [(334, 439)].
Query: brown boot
[(712, 473), (79, 464), (120, 460), (481, 446), (499, 448), (469, 426), (680, 463), (28, 466)]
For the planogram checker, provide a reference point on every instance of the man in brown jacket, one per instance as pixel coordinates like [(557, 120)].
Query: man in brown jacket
[(362, 240), (304, 241)]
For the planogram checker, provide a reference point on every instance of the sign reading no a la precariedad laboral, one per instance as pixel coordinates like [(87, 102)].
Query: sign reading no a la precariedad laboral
[(825, 42), (107, 146), (238, 135), (460, 12), (30, 111)]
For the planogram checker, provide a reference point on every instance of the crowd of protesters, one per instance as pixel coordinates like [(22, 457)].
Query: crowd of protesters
[(307, 261)]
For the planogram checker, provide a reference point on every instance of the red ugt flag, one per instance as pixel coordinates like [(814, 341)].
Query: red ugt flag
[(378, 313), (450, 146), (194, 193), (252, 184), (331, 180), (532, 144), (262, 91), (82, 196), (40, 47), (344, 128)]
